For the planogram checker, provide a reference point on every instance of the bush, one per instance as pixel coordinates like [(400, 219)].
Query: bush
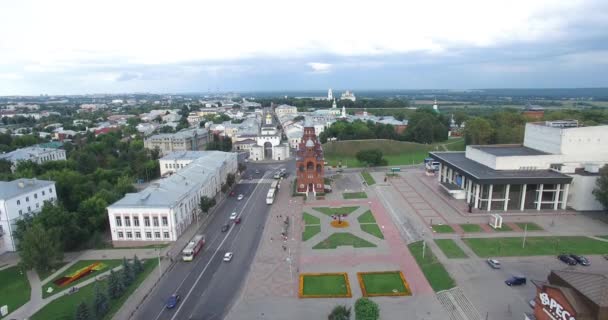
[(371, 157), (339, 313), (366, 309)]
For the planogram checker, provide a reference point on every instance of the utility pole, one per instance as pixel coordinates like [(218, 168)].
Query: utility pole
[(423, 248), (523, 245), (160, 267)]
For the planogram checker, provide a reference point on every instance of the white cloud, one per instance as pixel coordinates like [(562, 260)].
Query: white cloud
[(319, 67)]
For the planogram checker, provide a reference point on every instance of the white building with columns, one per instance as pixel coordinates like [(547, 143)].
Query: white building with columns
[(555, 168), (162, 211)]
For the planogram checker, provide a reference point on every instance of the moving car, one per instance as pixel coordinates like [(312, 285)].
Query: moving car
[(237, 220), (567, 259), (581, 260), (233, 216), (225, 227), (172, 301), (240, 197), (231, 193), (516, 281), (228, 256), (493, 263), (257, 171)]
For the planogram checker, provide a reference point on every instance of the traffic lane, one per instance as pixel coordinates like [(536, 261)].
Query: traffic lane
[(185, 273), (217, 296)]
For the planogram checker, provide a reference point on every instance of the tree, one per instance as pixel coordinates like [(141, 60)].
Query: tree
[(340, 312), (478, 131), (242, 167), (601, 187), (298, 118), (224, 188), (166, 129), (137, 266), (40, 248), (230, 179), (371, 157), (115, 287), (206, 203), (100, 303), (82, 312), (126, 274), (366, 309)]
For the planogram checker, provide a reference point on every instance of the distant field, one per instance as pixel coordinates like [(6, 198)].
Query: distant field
[(395, 152)]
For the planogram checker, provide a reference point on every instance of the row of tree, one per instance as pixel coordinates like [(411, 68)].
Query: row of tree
[(365, 309)]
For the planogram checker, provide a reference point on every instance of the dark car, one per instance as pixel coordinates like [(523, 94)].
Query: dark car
[(567, 259), (237, 220), (581, 260), (173, 301), (516, 281), (225, 227)]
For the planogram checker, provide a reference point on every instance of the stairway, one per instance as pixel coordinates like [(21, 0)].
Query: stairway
[(457, 305)]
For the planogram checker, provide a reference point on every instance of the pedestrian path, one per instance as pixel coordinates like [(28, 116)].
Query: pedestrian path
[(458, 305)]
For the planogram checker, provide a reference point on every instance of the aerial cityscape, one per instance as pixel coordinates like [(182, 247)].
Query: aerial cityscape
[(264, 160)]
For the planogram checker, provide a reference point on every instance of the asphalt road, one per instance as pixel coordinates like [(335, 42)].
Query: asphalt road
[(208, 285)]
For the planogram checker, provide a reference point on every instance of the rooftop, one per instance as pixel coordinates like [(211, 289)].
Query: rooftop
[(26, 153), (185, 155), (180, 134), (11, 189), (592, 285), (507, 150)]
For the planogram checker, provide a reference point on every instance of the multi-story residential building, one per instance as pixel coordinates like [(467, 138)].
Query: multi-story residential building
[(175, 161), (18, 198), (164, 210), (35, 154), (284, 109), (185, 140)]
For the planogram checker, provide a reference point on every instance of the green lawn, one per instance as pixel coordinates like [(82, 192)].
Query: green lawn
[(310, 219), (64, 308), (324, 285), (456, 145), (372, 229), (450, 248), (343, 239), (535, 246), (383, 283), (531, 226), (45, 274), (354, 195), (503, 228), (433, 270), (366, 217), (471, 227), (368, 178), (76, 266), (310, 231), (442, 228), (14, 288), (333, 211)]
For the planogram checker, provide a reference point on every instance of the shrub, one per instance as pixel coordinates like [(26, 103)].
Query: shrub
[(339, 313), (366, 309)]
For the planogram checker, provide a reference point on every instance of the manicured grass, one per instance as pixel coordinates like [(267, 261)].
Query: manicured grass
[(310, 219), (456, 145), (372, 229), (535, 246), (45, 274), (354, 195), (442, 228), (471, 227), (343, 239), (108, 264), (531, 226), (366, 217), (14, 288), (368, 178), (450, 248), (503, 228), (433, 270), (310, 231), (333, 211), (324, 285), (65, 307), (383, 283)]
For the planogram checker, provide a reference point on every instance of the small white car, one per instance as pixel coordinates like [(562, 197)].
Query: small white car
[(240, 197), (233, 216), (228, 256), (493, 263)]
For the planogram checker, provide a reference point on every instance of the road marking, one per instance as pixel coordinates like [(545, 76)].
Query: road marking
[(208, 263)]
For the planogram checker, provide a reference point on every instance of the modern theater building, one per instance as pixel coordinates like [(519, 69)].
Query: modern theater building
[(555, 168)]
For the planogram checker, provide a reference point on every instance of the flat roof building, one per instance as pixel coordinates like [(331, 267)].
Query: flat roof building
[(184, 140), (35, 154)]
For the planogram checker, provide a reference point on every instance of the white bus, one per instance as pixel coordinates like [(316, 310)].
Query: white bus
[(193, 247), (274, 188)]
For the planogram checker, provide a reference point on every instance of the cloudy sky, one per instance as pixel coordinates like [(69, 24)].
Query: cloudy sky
[(98, 46)]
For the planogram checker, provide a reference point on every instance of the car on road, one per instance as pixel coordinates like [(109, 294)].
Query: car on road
[(567, 259), (240, 197), (493, 263), (231, 193), (233, 216), (257, 171), (228, 256), (172, 301), (516, 281), (581, 260), (225, 227)]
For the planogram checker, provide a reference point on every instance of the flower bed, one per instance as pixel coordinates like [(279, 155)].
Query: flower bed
[(339, 224), (324, 285), (385, 283)]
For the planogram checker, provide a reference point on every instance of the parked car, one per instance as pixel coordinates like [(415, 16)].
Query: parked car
[(228, 256), (493, 263), (240, 197), (237, 220), (532, 303), (257, 171), (581, 260), (567, 259), (225, 227), (516, 281), (231, 193), (172, 301), (233, 216)]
